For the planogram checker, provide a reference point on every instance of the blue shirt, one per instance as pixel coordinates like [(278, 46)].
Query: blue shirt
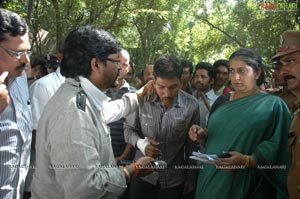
[(15, 139)]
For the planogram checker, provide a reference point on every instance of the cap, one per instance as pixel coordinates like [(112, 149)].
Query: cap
[(289, 43)]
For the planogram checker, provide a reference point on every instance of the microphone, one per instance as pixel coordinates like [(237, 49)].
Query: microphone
[(159, 164)]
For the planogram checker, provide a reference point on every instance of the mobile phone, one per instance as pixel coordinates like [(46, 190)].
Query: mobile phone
[(224, 155)]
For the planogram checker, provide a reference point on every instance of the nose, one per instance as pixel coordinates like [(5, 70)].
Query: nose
[(235, 76), (284, 71), (25, 58), (166, 93)]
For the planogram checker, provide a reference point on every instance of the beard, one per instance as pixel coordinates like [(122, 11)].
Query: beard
[(115, 82)]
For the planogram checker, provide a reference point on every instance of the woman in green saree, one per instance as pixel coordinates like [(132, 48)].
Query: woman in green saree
[(252, 126)]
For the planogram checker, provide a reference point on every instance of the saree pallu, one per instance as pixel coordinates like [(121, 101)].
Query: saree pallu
[(255, 125)]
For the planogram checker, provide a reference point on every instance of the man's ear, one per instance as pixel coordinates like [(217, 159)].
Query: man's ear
[(95, 64)]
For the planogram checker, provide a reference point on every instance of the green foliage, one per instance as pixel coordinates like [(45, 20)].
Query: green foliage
[(199, 30)]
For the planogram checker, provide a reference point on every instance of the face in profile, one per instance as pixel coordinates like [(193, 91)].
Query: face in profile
[(242, 76), (167, 89), (111, 71), (291, 70)]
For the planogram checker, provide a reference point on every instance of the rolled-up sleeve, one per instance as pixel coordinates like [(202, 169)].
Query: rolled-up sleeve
[(116, 109), (132, 128)]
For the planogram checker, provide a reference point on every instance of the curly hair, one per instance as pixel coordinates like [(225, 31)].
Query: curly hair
[(11, 23)]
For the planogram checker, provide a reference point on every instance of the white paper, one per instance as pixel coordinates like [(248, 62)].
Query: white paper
[(205, 158)]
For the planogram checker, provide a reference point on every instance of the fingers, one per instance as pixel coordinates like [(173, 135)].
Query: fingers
[(152, 151), (154, 143), (196, 133), (145, 90), (3, 77), (236, 161), (144, 166), (4, 96)]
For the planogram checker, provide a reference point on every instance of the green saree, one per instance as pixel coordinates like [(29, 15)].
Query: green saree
[(256, 125)]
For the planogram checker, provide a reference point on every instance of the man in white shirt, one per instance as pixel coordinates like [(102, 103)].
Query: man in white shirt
[(40, 93)]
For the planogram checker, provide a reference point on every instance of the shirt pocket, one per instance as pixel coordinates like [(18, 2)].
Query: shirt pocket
[(148, 126), (178, 132)]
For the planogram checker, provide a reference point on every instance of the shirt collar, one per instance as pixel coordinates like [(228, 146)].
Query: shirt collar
[(177, 102), (95, 95)]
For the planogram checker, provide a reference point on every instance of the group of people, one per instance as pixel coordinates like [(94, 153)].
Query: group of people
[(85, 120)]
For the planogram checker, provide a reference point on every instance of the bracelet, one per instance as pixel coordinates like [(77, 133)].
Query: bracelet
[(247, 161), (127, 174)]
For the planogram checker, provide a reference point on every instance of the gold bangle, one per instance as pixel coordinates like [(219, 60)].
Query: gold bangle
[(127, 174), (247, 161)]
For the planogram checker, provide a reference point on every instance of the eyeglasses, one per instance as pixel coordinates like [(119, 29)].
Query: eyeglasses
[(18, 54), (114, 60)]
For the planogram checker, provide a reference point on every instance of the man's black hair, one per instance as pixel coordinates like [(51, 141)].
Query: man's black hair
[(206, 66), (11, 23), (167, 66), (83, 44)]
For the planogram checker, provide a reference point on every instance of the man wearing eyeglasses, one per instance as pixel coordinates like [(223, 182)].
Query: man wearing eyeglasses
[(74, 156), (15, 115), (289, 55)]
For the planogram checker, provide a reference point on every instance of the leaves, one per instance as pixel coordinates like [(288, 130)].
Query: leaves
[(200, 30)]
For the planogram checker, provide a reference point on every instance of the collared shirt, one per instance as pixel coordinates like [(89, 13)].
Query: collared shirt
[(116, 128), (15, 124), (41, 91), (169, 127), (220, 91), (204, 112), (74, 154)]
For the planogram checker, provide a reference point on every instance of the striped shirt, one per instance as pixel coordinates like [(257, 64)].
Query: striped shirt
[(116, 128), (15, 139), (169, 127)]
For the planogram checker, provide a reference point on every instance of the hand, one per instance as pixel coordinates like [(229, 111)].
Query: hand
[(189, 186), (4, 96), (236, 161), (196, 133), (147, 89), (142, 167), (152, 150)]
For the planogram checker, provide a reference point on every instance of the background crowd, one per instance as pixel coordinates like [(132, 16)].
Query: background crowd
[(83, 123)]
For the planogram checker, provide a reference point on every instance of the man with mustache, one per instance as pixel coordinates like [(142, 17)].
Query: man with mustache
[(159, 129), (15, 114), (289, 55)]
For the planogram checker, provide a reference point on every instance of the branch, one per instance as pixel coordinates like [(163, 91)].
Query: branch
[(115, 16), (219, 29)]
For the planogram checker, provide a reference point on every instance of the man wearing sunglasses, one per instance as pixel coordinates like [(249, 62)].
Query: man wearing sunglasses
[(289, 56), (15, 115)]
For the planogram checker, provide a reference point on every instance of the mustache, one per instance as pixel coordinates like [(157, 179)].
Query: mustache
[(287, 77), (22, 65)]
